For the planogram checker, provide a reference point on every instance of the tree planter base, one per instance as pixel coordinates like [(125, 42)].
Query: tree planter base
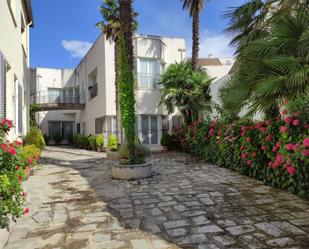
[(112, 155), (132, 172)]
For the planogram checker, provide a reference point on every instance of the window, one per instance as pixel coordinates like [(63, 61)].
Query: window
[(54, 95), (99, 122), (2, 87), (18, 107), (149, 129), (176, 121), (92, 84), (148, 73), (62, 128), (12, 8)]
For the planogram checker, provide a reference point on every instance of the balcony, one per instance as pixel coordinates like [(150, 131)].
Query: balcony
[(148, 81), (59, 99)]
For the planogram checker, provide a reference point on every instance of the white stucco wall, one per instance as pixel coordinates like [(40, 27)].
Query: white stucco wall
[(15, 48)]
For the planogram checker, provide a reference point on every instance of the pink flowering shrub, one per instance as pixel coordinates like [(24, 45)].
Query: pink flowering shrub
[(275, 151), (13, 170)]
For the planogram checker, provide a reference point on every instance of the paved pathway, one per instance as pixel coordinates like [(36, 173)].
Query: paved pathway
[(75, 204)]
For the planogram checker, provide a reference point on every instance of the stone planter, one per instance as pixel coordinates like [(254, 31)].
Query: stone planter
[(132, 172), (112, 155)]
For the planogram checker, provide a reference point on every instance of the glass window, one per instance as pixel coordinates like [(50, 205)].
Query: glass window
[(148, 73), (154, 130), (145, 130), (99, 125), (54, 95), (78, 128), (2, 87)]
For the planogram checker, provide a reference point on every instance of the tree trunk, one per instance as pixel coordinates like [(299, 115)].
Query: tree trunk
[(127, 77), (195, 36), (117, 99), (126, 20)]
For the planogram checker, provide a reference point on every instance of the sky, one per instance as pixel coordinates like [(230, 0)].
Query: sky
[(64, 30)]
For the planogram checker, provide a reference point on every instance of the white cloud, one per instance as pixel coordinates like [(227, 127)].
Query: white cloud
[(77, 49), (210, 43)]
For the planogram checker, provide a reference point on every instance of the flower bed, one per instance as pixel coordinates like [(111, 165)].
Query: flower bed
[(14, 169), (273, 151)]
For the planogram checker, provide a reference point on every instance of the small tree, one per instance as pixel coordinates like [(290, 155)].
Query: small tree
[(185, 89)]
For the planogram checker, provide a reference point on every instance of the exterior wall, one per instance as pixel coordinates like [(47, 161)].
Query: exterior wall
[(40, 80), (14, 45)]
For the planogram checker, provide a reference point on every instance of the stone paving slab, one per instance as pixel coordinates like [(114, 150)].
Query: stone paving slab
[(189, 204)]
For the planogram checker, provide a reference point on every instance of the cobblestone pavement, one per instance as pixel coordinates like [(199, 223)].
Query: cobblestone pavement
[(75, 204)]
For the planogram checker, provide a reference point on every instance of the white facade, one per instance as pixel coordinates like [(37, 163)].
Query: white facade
[(95, 77), (15, 21)]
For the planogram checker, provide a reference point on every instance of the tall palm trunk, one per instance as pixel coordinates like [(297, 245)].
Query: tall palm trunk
[(127, 78), (126, 20), (117, 98), (195, 35)]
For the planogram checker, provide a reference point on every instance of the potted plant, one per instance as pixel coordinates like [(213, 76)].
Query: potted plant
[(112, 146), (99, 143), (141, 169)]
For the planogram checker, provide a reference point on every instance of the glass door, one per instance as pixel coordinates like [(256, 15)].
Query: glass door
[(149, 130)]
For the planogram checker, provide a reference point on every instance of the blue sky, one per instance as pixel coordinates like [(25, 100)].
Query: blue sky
[(65, 29)]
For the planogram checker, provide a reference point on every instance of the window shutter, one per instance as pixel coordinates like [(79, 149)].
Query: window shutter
[(2, 87)]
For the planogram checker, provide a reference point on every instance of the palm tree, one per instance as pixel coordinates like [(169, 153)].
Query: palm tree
[(272, 68), (250, 21), (127, 95), (110, 26), (185, 89), (194, 7)]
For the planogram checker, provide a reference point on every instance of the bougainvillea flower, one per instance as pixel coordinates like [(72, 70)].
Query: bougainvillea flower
[(248, 139), (278, 145), (244, 155), (263, 129), (305, 152), (291, 170), (249, 162), (284, 129), (211, 132), (288, 120), (295, 147), (289, 146), (26, 211), (29, 161), (279, 158), (296, 122), (24, 194), (269, 137), (242, 147), (285, 112), (274, 149), (306, 142), (296, 114), (20, 178), (17, 167), (263, 147), (268, 122), (253, 154)]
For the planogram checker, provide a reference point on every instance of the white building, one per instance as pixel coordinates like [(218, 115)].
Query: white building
[(15, 21), (94, 87)]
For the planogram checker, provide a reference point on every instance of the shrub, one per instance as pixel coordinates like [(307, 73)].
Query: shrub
[(31, 152), (274, 151), (112, 142), (142, 152), (12, 173), (166, 139), (57, 138), (92, 141), (46, 138), (99, 142), (34, 136)]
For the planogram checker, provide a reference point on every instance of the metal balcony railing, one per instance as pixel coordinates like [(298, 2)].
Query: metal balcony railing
[(58, 98)]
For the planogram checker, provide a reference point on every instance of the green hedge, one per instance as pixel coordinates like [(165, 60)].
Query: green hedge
[(273, 151)]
